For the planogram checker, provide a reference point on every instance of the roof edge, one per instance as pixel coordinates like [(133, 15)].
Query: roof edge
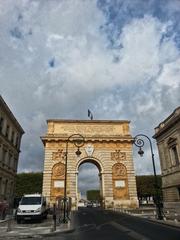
[(86, 121), (7, 109)]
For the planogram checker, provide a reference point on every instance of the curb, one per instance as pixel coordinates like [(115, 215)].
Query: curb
[(55, 233), (70, 230), (174, 225)]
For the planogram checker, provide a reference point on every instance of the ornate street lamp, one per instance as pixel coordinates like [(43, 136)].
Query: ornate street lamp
[(140, 143), (78, 140)]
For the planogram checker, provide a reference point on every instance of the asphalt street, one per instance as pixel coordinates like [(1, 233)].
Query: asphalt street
[(96, 224)]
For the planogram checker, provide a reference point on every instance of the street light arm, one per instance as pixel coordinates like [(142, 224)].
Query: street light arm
[(140, 143), (78, 142)]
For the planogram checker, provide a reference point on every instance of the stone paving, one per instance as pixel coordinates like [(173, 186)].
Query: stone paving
[(11, 230)]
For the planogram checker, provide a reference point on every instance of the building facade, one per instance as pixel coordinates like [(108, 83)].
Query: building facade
[(10, 139), (108, 145), (167, 135)]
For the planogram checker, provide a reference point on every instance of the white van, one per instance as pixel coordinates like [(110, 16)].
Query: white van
[(32, 206)]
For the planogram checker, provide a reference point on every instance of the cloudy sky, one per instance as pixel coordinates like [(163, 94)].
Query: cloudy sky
[(120, 58)]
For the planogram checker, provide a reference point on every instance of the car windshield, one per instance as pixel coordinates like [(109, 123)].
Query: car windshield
[(31, 201)]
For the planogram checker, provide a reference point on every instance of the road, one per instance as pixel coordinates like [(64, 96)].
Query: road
[(96, 224)]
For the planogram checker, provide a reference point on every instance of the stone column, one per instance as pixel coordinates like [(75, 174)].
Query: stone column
[(108, 189), (47, 174)]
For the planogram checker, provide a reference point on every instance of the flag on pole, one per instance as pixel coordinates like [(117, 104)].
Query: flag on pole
[(90, 115)]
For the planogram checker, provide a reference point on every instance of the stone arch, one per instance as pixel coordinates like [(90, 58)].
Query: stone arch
[(57, 180), (120, 181), (93, 160), (99, 165)]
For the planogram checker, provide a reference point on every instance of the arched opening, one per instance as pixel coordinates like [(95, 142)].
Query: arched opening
[(89, 184)]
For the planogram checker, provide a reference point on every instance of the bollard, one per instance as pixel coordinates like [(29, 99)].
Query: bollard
[(54, 218), (9, 225), (54, 222), (175, 218), (9, 219)]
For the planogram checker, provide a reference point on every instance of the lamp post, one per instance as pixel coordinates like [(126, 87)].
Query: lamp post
[(139, 142), (78, 140)]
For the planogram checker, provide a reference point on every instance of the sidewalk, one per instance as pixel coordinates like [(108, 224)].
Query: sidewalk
[(10, 229), (172, 220), (170, 223)]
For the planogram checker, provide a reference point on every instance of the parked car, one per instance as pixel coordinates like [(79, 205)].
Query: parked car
[(32, 207), (89, 204), (4, 207)]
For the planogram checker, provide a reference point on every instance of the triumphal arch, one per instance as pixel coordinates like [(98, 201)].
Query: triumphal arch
[(107, 144)]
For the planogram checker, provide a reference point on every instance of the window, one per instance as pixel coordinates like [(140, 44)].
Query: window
[(1, 123), (31, 201), (12, 162), (0, 186), (5, 188), (12, 137), (178, 191), (4, 155), (7, 131), (12, 189), (15, 164), (9, 160), (174, 156), (173, 150), (17, 141)]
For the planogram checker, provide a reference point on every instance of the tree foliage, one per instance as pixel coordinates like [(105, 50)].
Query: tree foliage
[(93, 195), (145, 186), (27, 183)]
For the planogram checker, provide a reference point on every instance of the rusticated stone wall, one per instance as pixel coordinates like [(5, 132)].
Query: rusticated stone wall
[(108, 145)]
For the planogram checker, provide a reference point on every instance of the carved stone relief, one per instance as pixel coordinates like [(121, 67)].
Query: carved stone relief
[(119, 170), (56, 156), (118, 156), (120, 181), (57, 177), (58, 170), (89, 150)]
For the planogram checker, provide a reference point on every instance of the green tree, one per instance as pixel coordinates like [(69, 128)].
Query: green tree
[(27, 183), (93, 195), (145, 186)]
